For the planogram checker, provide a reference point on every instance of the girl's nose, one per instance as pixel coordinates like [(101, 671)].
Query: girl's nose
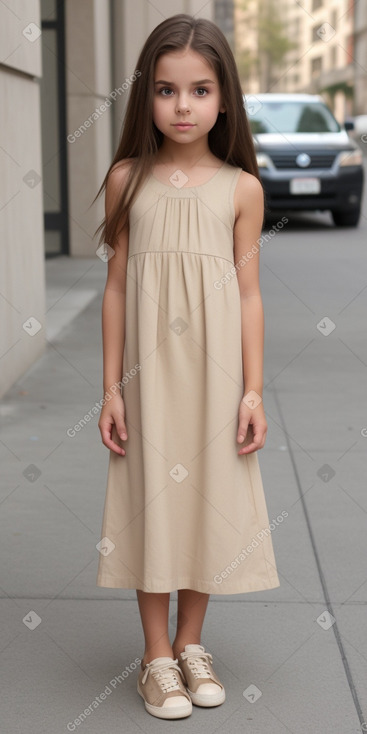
[(182, 106)]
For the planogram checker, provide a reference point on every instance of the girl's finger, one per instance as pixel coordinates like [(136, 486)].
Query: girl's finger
[(109, 442), (249, 449), (242, 433)]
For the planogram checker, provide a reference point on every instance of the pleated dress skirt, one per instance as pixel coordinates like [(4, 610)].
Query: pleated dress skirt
[(182, 509)]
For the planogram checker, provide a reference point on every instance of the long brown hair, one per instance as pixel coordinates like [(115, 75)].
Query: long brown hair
[(230, 139)]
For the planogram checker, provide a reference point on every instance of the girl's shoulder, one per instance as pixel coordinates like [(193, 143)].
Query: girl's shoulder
[(115, 185), (122, 168), (248, 181), (248, 193), (117, 178)]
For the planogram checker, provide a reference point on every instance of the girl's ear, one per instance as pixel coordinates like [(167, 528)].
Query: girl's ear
[(222, 108)]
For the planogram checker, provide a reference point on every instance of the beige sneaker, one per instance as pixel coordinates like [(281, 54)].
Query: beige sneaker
[(203, 685), (160, 685)]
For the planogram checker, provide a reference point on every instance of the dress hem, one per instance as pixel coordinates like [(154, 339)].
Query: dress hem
[(202, 586)]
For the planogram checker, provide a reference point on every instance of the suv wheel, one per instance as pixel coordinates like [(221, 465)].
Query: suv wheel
[(346, 218)]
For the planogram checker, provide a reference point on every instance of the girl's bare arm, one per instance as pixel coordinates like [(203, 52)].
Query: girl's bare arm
[(113, 324), (247, 232)]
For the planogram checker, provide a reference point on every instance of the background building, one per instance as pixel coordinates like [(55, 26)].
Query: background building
[(223, 11), (311, 46), (60, 62), (360, 54)]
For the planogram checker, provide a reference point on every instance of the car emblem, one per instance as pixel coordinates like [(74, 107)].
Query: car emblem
[(303, 160)]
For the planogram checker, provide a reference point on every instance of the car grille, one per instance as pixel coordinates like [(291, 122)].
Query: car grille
[(288, 160)]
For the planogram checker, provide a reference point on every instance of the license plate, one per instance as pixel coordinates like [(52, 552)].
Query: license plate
[(304, 186)]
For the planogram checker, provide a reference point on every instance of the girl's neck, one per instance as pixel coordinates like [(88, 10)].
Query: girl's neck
[(190, 160)]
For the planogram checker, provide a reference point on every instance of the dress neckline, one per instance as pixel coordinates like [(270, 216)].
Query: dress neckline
[(170, 186)]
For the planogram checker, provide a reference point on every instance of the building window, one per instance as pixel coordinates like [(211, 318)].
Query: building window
[(316, 66), (333, 55), (316, 4)]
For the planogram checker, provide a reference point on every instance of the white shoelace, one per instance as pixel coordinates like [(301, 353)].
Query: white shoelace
[(198, 663), (165, 674)]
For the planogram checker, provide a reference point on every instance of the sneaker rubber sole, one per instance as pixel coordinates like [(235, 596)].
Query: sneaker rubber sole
[(171, 712), (200, 699)]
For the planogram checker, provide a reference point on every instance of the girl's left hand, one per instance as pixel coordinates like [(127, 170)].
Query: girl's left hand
[(251, 425)]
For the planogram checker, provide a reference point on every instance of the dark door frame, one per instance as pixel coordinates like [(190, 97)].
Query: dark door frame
[(60, 220)]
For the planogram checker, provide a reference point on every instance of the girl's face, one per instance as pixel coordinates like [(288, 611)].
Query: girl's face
[(178, 97)]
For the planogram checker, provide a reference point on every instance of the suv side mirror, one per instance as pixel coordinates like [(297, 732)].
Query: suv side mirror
[(349, 125)]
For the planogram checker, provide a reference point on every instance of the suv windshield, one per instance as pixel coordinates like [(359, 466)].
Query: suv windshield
[(293, 117)]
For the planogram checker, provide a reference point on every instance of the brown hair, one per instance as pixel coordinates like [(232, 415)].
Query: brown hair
[(230, 139)]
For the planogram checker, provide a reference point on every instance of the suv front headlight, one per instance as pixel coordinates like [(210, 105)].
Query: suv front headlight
[(263, 160), (350, 158)]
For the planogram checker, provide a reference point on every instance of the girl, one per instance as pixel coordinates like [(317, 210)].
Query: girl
[(182, 322)]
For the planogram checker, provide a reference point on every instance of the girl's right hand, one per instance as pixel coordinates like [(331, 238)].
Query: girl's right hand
[(113, 414)]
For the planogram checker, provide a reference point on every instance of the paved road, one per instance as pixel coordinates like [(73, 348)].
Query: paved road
[(301, 648)]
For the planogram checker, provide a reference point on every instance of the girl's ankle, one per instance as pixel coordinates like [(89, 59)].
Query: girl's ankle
[(157, 654), (178, 648)]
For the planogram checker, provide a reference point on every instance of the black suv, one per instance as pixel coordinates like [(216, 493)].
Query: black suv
[(306, 159)]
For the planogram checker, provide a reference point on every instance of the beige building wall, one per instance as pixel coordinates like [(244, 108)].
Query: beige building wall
[(22, 282), (103, 41)]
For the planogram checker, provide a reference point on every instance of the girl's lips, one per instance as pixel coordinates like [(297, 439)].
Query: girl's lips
[(183, 124)]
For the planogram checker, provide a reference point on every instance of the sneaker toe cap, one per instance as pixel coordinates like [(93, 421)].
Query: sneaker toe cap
[(174, 702), (208, 689)]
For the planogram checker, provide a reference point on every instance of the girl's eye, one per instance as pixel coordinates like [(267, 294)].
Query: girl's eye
[(167, 89), (164, 89)]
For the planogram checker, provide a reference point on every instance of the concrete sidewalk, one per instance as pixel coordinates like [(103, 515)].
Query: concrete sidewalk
[(293, 659)]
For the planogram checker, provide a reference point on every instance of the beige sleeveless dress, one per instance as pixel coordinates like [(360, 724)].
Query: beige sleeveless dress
[(182, 510)]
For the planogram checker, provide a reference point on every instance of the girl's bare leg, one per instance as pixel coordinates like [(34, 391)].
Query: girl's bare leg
[(191, 608), (154, 617)]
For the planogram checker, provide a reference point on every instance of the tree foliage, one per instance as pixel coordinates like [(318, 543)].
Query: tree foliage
[(272, 43)]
